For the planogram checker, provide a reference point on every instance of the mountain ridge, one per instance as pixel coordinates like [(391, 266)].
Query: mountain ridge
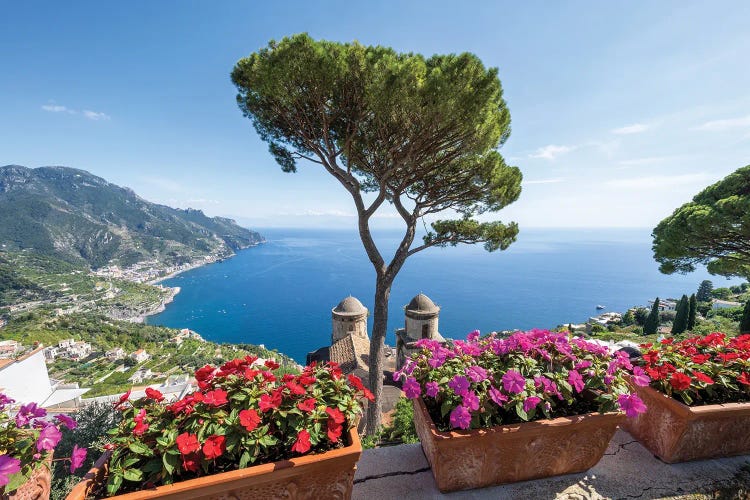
[(75, 215)]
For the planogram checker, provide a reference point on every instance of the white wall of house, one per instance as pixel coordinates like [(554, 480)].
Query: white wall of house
[(26, 380)]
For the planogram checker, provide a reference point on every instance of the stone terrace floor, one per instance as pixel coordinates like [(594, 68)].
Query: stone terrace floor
[(626, 471)]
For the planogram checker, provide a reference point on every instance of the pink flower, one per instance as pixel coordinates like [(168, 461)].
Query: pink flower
[(576, 380), (432, 389), (476, 373), (473, 336), (412, 389), (48, 438), (530, 403), (8, 467), (631, 404), (639, 377), (471, 401), (498, 397), (66, 421), (77, 457), (460, 418), (28, 412), (513, 382), (459, 384)]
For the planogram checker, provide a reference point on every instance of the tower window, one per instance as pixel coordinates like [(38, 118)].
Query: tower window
[(425, 331)]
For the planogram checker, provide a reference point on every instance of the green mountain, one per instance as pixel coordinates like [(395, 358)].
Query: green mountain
[(74, 215)]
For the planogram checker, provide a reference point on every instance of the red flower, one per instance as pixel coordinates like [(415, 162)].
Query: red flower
[(729, 356), (250, 373), (370, 396), (188, 443), (744, 378), (703, 377), (249, 419), (302, 444), (271, 364), (124, 397), (204, 374), (190, 462), (295, 388), (700, 358), (217, 397), (270, 401), (140, 428), (335, 370), (307, 405), (667, 341), (680, 381), (651, 357), (251, 359), (335, 415), (306, 379), (334, 431), (214, 447), (268, 376), (355, 382), (154, 394)]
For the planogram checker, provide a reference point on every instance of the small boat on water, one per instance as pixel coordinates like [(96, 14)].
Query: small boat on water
[(600, 307)]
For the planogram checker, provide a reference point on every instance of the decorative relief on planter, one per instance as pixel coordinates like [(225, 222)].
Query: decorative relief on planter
[(508, 453), (328, 475), (675, 432), (38, 486)]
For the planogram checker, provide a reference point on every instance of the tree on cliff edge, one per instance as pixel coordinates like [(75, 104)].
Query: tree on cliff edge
[(419, 134), (652, 321)]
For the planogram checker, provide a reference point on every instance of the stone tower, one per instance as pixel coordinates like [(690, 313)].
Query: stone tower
[(349, 318), (421, 323)]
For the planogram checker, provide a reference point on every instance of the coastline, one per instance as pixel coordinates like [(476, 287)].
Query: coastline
[(141, 318)]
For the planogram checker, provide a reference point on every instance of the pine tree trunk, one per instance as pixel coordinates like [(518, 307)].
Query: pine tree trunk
[(377, 341)]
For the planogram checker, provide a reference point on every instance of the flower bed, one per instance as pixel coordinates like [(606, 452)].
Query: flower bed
[(699, 398), (498, 384), (242, 415), (27, 441)]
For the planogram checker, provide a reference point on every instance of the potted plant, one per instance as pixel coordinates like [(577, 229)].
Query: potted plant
[(494, 410), (28, 438), (698, 400), (247, 431)]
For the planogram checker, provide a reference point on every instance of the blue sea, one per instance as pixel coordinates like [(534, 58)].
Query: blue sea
[(280, 293)]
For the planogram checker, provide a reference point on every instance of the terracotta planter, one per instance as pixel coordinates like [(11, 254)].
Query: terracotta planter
[(508, 453), (675, 432), (328, 475), (37, 487)]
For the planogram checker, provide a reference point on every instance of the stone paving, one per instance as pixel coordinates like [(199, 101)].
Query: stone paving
[(626, 471)]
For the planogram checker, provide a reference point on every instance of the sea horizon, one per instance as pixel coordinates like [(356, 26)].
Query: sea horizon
[(280, 293)]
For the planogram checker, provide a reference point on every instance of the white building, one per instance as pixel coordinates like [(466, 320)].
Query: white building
[(140, 355), (9, 348), (115, 354), (724, 304), (141, 375), (26, 380), (78, 350), (664, 304), (50, 353), (64, 344)]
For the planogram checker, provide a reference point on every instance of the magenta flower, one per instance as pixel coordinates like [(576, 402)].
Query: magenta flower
[(476, 373), (432, 389), (460, 385), (631, 404), (28, 412), (473, 336), (66, 421), (471, 401), (8, 467), (530, 403), (639, 377), (48, 438), (513, 382), (547, 385), (5, 400), (460, 418), (576, 380), (77, 457), (498, 397), (582, 364), (412, 389)]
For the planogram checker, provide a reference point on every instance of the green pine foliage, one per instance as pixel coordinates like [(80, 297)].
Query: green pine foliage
[(681, 318), (745, 321), (652, 321), (704, 291), (692, 312)]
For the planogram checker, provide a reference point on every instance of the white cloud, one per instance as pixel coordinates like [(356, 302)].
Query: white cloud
[(658, 181), (551, 151), (91, 115), (726, 124), (95, 115), (545, 181), (635, 128), (56, 108)]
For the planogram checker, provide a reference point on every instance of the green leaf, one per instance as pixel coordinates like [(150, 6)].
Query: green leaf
[(521, 414), (244, 460), (171, 462), (135, 475), (141, 449)]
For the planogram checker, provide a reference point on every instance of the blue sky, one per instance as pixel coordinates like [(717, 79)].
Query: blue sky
[(621, 110)]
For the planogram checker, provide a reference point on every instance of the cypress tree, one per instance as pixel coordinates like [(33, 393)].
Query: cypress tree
[(745, 322), (652, 322), (681, 318), (692, 312)]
